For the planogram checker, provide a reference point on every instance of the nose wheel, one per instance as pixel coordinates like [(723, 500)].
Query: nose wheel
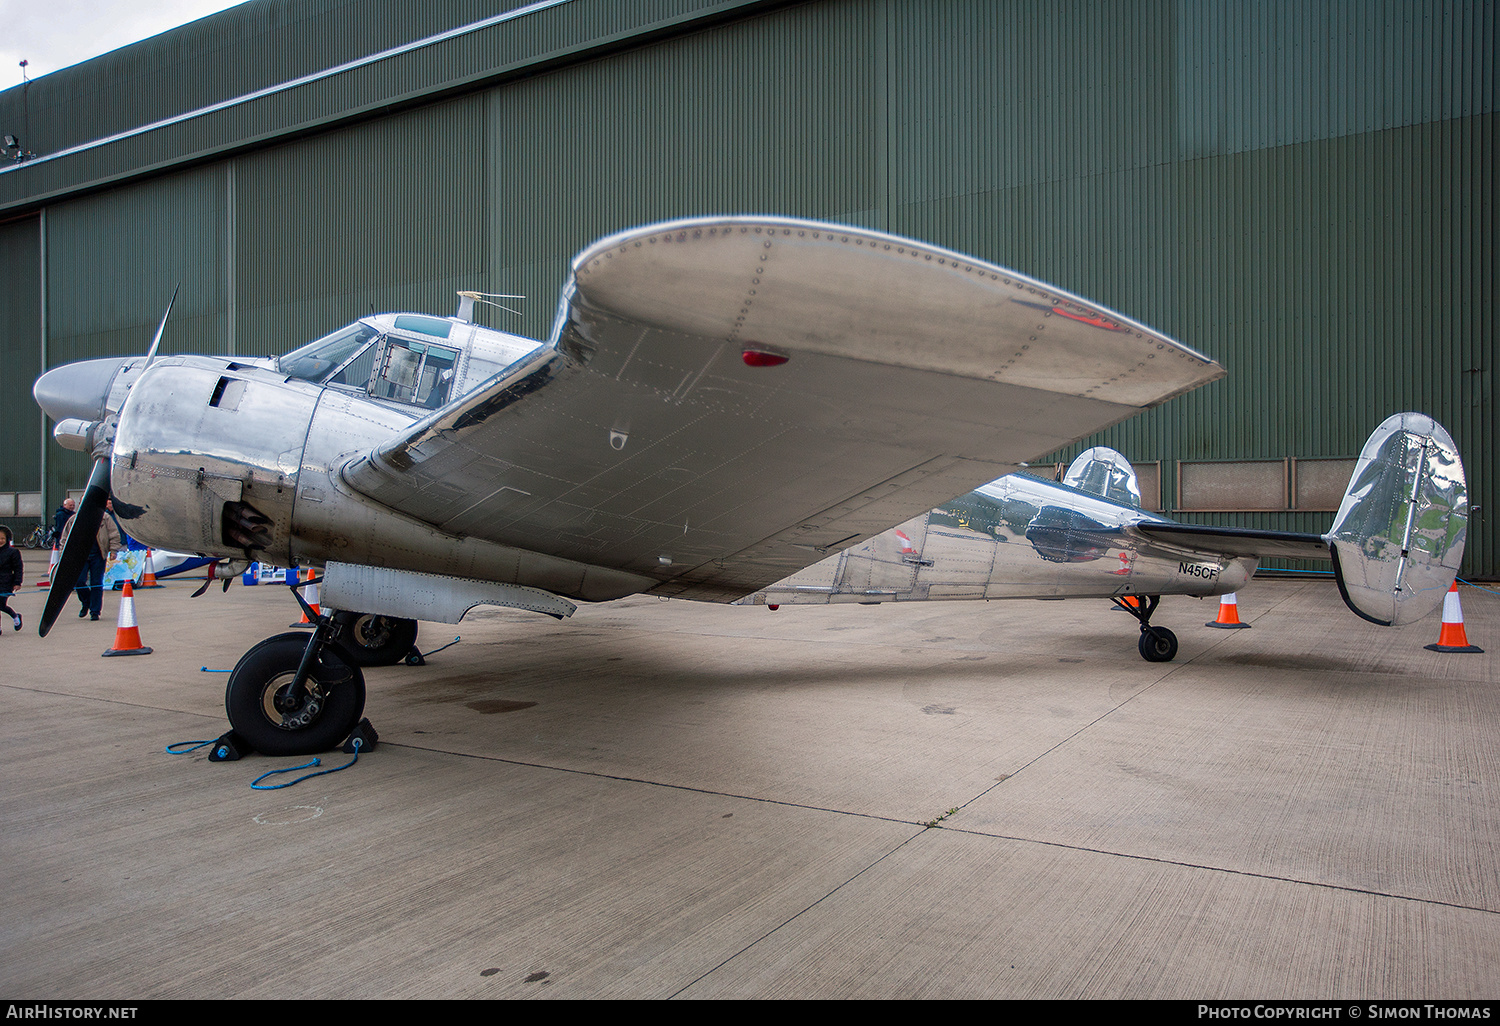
[(276, 714), (293, 694), (1157, 644)]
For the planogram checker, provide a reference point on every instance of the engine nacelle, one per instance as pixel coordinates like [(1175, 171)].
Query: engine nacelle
[(206, 457), (78, 435)]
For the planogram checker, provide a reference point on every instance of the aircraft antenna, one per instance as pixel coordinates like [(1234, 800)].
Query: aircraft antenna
[(466, 301)]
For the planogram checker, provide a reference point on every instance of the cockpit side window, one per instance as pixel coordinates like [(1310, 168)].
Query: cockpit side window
[(314, 361), (415, 372)]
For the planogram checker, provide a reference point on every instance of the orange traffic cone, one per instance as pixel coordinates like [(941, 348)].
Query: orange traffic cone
[(309, 592), (148, 574), (46, 582), (1229, 615), (1452, 637), (1127, 600), (127, 634)]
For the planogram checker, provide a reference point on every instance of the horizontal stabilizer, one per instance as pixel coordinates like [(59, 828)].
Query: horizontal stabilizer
[(1239, 541)]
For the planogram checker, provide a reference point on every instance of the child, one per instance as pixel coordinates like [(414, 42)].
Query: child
[(11, 569)]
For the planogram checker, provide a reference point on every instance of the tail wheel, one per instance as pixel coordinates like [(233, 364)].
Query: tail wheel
[(263, 710), (1158, 645), (371, 640)]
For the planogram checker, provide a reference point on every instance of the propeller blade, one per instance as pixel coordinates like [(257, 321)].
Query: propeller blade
[(151, 353), (75, 554)]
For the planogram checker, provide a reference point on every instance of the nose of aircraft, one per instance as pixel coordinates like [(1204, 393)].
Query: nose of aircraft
[(77, 390)]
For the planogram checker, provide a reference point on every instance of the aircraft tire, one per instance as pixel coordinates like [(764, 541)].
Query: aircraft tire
[(371, 640), (1158, 645), (270, 667)]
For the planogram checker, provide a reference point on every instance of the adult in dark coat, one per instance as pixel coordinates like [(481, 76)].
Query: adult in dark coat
[(60, 518), (11, 572)]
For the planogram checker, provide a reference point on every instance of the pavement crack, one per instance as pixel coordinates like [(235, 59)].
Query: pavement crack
[(1250, 873), (749, 946), (622, 778)]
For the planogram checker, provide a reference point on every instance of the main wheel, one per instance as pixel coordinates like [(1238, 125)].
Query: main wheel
[(1158, 645), (263, 712), (371, 640)]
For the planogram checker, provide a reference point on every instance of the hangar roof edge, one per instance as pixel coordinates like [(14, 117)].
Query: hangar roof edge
[(136, 136)]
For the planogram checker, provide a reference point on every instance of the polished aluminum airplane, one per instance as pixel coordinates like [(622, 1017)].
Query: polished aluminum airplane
[(721, 403)]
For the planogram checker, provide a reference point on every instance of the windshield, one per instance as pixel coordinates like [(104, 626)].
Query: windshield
[(314, 361)]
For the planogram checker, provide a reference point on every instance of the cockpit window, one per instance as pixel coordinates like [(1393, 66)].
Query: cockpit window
[(314, 361), (415, 372), (434, 326)]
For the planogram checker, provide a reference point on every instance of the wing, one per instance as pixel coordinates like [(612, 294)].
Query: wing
[(1237, 541), (724, 401)]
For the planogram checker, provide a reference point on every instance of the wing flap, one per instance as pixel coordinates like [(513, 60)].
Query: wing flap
[(639, 438)]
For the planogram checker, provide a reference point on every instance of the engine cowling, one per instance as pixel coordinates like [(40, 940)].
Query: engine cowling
[(206, 457)]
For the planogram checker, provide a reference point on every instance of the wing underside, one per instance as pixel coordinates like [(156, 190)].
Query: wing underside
[(725, 401)]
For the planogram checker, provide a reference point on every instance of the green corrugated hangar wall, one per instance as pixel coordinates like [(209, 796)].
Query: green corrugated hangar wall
[(1304, 191)]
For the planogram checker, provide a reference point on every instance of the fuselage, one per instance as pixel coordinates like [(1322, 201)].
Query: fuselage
[(1016, 537)]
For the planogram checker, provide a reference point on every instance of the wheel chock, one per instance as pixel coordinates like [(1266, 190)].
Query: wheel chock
[(229, 747), (366, 737)]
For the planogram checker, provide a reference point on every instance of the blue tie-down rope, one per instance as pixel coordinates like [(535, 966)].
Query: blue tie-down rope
[(227, 753), (455, 641), (257, 785), (188, 747), (416, 657)]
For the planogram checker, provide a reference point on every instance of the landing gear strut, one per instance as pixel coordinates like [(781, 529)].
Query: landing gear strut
[(1157, 644), (295, 695)]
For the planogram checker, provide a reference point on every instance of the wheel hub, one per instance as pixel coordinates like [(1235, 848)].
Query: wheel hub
[(297, 712), (372, 631)]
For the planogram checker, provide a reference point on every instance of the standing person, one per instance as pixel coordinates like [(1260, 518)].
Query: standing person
[(60, 518), (90, 587), (11, 571), (109, 509)]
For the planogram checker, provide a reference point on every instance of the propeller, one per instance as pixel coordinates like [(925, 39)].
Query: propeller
[(161, 328), (75, 553), (85, 527)]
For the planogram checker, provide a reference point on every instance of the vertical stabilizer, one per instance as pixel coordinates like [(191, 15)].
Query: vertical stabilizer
[(1399, 535), (1105, 472)]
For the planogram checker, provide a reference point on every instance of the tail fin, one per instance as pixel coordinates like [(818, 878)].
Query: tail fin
[(1398, 539), (1105, 472)]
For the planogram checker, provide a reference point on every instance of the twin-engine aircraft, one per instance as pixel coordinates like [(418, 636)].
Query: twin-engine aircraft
[(722, 403)]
